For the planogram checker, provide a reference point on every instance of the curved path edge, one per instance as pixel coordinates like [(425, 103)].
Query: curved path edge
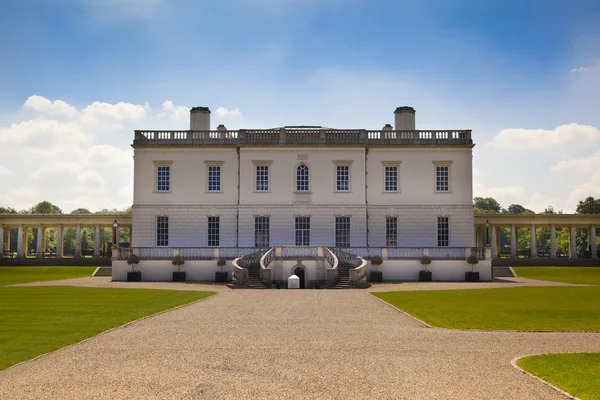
[(107, 331), (513, 362), (404, 312)]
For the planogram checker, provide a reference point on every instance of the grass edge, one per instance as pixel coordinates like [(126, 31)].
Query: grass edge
[(514, 364)]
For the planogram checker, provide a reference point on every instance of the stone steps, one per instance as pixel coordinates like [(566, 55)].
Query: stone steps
[(502, 272), (103, 271)]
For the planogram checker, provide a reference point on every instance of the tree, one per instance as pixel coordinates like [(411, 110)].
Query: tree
[(487, 205), (517, 209), (7, 210), (81, 211), (588, 206), (45, 207)]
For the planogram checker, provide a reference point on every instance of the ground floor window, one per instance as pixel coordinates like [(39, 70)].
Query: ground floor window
[(213, 231), (302, 231), (443, 232), (391, 231), (262, 231), (342, 231), (162, 231)]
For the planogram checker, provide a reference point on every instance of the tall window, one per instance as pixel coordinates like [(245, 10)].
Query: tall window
[(391, 178), (214, 178), (443, 232), (163, 178), (441, 179), (162, 231), (302, 231), (391, 231), (213, 231), (342, 178), (262, 232), (262, 178), (342, 231), (302, 178)]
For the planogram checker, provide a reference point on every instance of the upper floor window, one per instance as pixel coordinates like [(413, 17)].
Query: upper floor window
[(213, 231), (214, 173), (391, 231), (262, 234), (342, 231), (163, 176), (342, 176), (162, 231), (442, 176), (261, 182), (443, 232), (390, 176), (302, 231), (302, 182)]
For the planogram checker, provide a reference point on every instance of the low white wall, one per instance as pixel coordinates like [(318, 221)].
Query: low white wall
[(442, 270), (162, 270)]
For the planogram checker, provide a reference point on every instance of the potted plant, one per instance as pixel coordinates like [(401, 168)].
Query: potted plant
[(179, 275), (221, 276), (425, 275), (133, 275), (472, 276), (376, 276)]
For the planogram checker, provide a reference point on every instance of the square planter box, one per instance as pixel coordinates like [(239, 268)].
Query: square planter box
[(134, 276), (179, 276), (376, 276), (472, 276), (221, 277), (425, 276)]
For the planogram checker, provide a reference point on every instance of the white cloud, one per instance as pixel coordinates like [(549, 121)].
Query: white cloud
[(505, 195), (45, 106), (582, 164), (580, 69), (5, 171), (178, 113), (564, 136), (106, 112), (222, 112)]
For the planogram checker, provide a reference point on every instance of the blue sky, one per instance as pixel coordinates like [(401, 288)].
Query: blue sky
[(524, 75)]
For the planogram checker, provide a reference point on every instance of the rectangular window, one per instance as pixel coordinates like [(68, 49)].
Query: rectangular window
[(391, 179), (441, 179), (213, 231), (262, 232), (342, 178), (214, 178), (342, 231), (302, 231), (163, 178), (262, 178), (391, 231), (162, 231), (443, 232)]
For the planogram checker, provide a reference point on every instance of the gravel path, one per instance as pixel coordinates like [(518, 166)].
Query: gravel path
[(323, 344)]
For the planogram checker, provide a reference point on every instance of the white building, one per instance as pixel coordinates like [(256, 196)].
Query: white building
[(301, 186)]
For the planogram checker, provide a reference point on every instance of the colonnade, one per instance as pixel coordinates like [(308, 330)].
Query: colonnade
[(494, 241)]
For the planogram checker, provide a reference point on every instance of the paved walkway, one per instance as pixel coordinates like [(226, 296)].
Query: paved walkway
[(323, 344)]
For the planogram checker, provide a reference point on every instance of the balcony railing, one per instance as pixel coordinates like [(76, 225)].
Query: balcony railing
[(301, 136)]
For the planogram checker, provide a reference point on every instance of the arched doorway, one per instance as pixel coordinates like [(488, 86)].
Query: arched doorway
[(299, 272)]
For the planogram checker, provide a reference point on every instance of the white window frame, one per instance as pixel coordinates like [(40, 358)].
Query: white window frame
[(436, 165), (342, 163), (302, 227), (215, 240), (210, 164), (164, 241), (262, 244), (441, 235), (391, 221), (391, 164), (308, 178), (337, 239), (262, 164), (157, 165)]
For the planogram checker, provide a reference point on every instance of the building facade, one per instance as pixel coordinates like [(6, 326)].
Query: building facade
[(303, 186)]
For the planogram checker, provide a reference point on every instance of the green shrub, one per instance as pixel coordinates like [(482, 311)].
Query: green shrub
[(221, 262), (376, 261), (132, 260), (472, 260), (178, 261)]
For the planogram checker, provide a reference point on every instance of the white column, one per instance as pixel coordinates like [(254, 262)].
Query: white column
[(25, 241), (552, 241), (479, 237), (78, 240), (40, 241), (513, 241), (2, 245), (494, 247), (593, 241), (572, 242), (7, 240), (20, 241), (533, 242), (43, 241), (59, 241), (97, 241)]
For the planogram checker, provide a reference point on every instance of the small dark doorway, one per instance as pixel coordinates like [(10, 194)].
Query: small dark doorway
[(299, 272)]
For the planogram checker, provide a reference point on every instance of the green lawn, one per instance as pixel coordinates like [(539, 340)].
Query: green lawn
[(36, 320), (583, 275), (577, 374), (523, 308), (13, 275)]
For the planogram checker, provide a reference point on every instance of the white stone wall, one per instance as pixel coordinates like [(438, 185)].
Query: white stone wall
[(162, 270), (442, 270)]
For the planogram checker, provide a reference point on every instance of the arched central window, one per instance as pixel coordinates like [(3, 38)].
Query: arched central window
[(302, 178)]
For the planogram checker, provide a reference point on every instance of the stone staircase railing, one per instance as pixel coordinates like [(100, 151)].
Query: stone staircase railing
[(358, 267), (266, 275), (331, 274), (241, 264)]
